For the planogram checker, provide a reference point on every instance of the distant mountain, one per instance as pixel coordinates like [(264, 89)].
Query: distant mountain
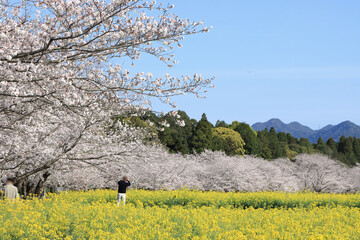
[(326, 127), (298, 130), (347, 128), (294, 128)]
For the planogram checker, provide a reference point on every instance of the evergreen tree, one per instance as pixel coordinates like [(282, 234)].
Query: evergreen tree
[(193, 123), (293, 145), (348, 146), (356, 148), (221, 124), (332, 144), (282, 137), (263, 139), (284, 151), (305, 145), (202, 135), (320, 144), (177, 138), (291, 139), (174, 141), (266, 153), (274, 145), (253, 145), (349, 152), (322, 147), (341, 144)]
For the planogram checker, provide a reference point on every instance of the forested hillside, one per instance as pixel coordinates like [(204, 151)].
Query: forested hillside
[(185, 135)]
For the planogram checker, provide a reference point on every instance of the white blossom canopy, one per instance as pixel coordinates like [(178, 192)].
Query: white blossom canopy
[(61, 82)]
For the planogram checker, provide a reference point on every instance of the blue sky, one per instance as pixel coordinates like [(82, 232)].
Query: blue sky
[(293, 60)]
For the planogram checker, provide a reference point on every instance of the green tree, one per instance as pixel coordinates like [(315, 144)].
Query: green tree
[(252, 143), (320, 144), (332, 144), (282, 137), (266, 153), (174, 141), (349, 151), (228, 140), (356, 148), (177, 138), (305, 145), (234, 124), (263, 139), (348, 146), (221, 124), (293, 145), (291, 139), (274, 145), (341, 144), (322, 147), (202, 135)]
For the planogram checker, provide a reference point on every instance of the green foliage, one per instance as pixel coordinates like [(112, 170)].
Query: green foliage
[(238, 138), (282, 137), (253, 145), (332, 145), (221, 124), (228, 140), (341, 145), (356, 148), (274, 145), (234, 124), (202, 135), (175, 141), (349, 151), (175, 137), (264, 142)]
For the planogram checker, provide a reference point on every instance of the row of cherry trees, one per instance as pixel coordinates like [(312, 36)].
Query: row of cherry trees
[(216, 171), (60, 86), (157, 169)]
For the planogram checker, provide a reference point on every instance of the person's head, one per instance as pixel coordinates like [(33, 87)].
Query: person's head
[(125, 178), (9, 180)]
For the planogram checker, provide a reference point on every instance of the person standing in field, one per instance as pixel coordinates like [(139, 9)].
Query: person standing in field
[(11, 192), (123, 184)]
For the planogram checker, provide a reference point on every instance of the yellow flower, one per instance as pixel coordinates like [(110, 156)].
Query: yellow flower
[(183, 214)]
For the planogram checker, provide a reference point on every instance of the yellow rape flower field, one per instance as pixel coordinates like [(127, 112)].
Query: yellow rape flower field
[(183, 214)]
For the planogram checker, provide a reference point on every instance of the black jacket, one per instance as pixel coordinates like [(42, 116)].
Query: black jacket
[(122, 186)]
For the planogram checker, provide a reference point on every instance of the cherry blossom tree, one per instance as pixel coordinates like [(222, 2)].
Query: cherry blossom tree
[(155, 168), (319, 173), (61, 83), (354, 179), (216, 171)]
